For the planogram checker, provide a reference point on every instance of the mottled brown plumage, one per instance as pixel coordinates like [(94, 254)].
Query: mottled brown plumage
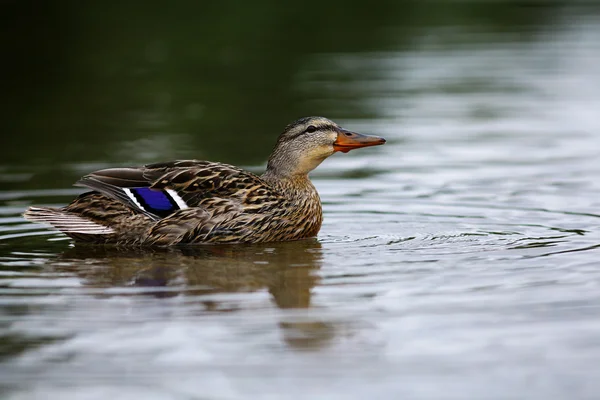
[(194, 201)]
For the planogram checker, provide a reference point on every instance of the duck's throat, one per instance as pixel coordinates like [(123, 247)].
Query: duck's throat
[(298, 184)]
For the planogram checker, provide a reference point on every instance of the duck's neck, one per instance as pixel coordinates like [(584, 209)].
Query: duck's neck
[(294, 185)]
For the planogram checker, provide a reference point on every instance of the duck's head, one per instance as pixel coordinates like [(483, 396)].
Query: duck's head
[(305, 143)]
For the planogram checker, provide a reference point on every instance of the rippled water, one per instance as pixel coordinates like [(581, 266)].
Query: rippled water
[(460, 260)]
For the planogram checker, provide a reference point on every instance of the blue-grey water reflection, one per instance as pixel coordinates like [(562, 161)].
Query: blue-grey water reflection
[(457, 261)]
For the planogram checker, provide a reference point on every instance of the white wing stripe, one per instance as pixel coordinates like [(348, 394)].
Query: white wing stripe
[(129, 194), (177, 198)]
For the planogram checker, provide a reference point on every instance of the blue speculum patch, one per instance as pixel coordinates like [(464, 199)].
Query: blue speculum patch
[(155, 200)]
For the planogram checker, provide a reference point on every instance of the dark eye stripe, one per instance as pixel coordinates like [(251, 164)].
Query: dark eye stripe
[(317, 128)]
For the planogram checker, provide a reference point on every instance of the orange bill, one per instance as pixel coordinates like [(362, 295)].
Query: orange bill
[(347, 140)]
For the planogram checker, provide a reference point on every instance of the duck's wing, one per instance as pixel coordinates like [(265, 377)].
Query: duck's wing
[(159, 190)]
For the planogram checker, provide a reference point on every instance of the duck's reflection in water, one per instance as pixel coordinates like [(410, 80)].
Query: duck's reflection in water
[(287, 270)]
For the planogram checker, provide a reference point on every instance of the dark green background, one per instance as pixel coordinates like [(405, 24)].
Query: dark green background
[(217, 80)]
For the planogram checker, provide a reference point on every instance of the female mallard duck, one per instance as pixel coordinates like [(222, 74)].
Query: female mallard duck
[(207, 202)]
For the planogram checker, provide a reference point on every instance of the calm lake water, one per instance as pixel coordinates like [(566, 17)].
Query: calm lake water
[(460, 260)]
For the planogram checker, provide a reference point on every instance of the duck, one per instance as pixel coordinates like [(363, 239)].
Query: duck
[(204, 202)]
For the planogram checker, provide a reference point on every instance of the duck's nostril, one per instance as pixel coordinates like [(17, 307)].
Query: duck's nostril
[(347, 134)]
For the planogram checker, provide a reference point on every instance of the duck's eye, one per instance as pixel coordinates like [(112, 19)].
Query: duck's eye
[(311, 129)]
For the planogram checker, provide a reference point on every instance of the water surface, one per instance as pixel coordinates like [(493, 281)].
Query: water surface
[(460, 260)]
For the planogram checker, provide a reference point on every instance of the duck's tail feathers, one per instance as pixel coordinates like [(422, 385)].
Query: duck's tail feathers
[(65, 221)]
